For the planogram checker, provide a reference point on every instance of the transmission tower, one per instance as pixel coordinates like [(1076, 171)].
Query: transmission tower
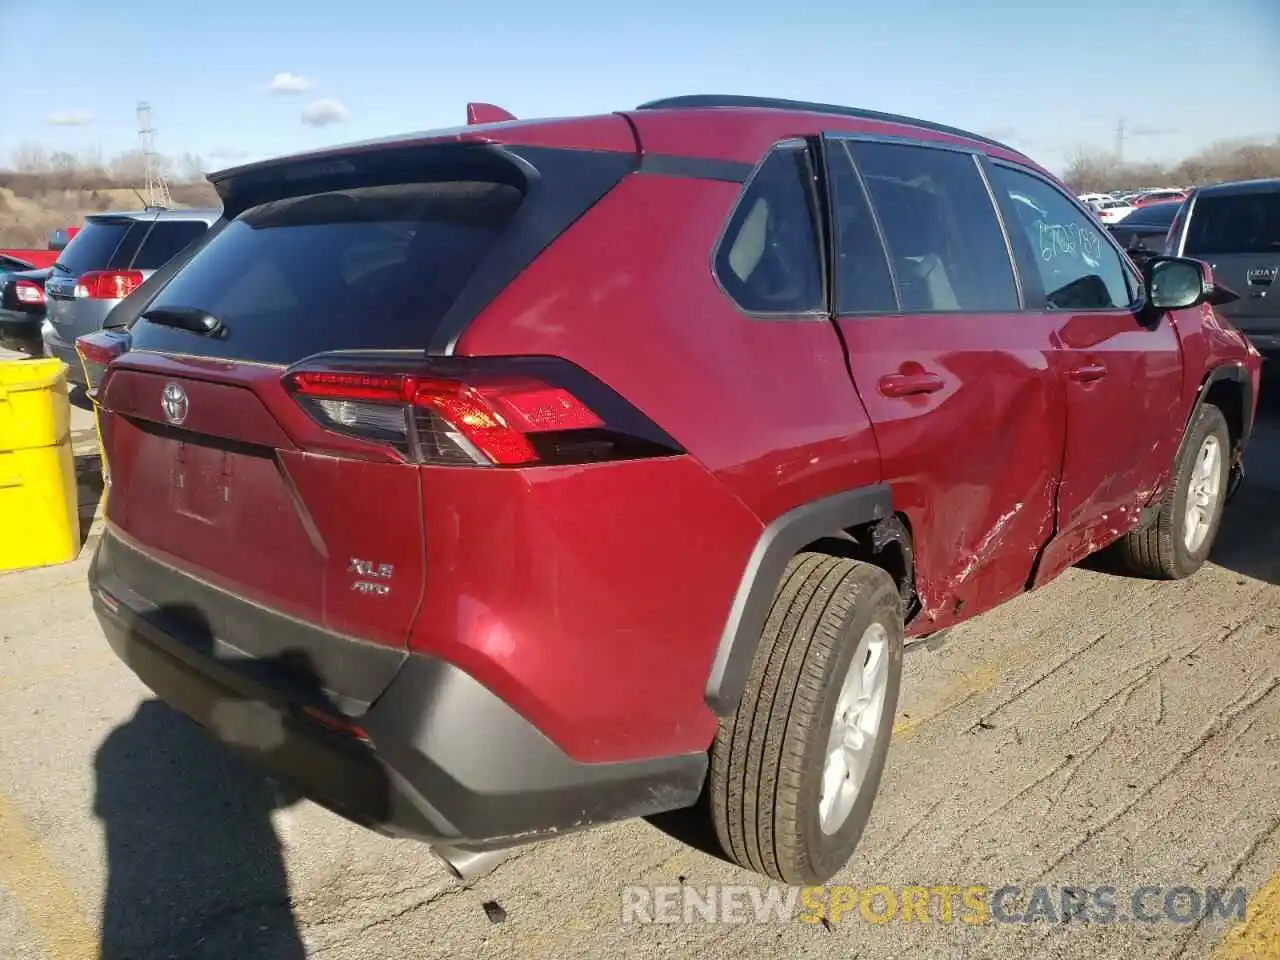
[(157, 188)]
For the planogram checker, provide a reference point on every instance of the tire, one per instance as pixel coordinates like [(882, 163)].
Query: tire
[(1161, 549), (765, 779)]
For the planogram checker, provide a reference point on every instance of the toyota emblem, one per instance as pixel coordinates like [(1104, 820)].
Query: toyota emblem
[(174, 402)]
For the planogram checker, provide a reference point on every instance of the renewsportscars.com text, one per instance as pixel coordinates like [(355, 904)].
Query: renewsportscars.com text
[(973, 904)]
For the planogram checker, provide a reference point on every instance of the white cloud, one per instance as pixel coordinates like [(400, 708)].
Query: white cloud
[(289, 83), (321, 113), (69, 118)]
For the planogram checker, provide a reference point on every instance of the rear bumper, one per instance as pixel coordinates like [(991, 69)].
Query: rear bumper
[(437, 756), (55, 346), (20, 328), (20, 322)]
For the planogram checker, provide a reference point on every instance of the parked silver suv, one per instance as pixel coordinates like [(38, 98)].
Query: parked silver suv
[(105, 262)]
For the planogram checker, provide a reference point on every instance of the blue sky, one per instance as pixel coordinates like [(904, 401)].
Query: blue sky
[(1050, 77)]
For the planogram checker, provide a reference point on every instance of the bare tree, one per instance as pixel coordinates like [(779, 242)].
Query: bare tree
[(91, 163), (191, 168), (129, 167), (1219, 162), (31, 158), (1091, 171)]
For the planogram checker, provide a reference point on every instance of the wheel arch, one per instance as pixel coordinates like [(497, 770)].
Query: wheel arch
[(1229, 388), (859, 524)]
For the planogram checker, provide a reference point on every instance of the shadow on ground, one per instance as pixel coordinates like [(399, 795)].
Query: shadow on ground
[(89, 488), (1249, 541), (195, 868)]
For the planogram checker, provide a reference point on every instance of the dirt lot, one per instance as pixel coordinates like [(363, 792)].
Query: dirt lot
[(1104, 731)]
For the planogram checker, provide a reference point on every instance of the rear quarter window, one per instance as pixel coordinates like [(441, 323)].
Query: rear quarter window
[(769, 260), (167, 239), (367, 268)]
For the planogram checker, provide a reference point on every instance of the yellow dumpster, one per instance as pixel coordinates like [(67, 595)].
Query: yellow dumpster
[(39, 520)]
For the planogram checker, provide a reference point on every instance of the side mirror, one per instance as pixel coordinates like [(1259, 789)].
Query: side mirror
[(1176, 283)]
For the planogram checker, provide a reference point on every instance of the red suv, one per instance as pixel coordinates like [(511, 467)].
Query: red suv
[(499, 482)]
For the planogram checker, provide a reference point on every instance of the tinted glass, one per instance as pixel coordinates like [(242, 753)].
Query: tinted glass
[(92, 247), (1239, 223), (863, 284), (129, 245), (1156, 215), (1077, 265), (167, 238), (769, 260), (368, 268), (944, 238)]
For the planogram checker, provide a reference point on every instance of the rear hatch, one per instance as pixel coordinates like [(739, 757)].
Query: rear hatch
[(218, 470), (100, 245), (1238, 234)]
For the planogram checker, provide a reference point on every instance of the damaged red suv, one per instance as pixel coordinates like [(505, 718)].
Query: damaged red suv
[(502, 481)]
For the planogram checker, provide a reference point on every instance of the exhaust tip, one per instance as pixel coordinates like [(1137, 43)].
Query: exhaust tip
[(468, 865)]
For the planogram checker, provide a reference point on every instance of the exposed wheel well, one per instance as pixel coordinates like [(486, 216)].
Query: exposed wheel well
[(1230, 396), (885, 543)]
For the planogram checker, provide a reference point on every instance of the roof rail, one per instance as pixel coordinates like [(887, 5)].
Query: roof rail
[(702, 101)]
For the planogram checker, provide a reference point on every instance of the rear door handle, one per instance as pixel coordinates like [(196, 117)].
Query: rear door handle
[(1088, 373), (909, 384)]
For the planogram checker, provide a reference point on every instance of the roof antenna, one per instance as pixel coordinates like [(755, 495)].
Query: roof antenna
[(486, 113)]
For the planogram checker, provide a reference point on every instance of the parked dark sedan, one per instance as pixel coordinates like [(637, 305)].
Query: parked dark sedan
[(22, 307), (1143, 231)]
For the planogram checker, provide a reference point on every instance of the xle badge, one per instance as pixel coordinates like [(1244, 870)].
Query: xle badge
[(369, 572)]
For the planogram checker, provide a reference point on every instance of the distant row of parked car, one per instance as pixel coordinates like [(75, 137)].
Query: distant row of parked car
[(1235, 227), (1114, 207)]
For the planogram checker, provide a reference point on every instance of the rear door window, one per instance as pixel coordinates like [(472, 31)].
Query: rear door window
[(945, 242), (166, 239), (93, 247), (1236, 223), (367, 268), (863, 281)]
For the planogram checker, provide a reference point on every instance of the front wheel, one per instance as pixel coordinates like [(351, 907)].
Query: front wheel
[(795, 770), (1178, 542)]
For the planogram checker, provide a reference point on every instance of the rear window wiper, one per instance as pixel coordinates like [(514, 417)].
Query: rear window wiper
[(185, 318)]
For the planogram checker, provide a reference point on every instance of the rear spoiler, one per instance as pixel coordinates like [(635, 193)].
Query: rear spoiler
[(486, 113)]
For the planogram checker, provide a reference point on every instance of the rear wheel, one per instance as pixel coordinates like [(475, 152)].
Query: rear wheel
[(1178, 542), (795, 770)]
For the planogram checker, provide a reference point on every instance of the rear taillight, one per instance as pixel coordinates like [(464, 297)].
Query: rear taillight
[(107, 284), (97, 350), (28, 292), (491, 416)]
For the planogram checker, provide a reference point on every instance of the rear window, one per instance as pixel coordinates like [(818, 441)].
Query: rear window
[(1235, 223), (167, 239), (93, 247), (1156, 215), (367, 268)]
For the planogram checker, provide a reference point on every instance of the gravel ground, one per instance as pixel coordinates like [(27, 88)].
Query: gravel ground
[(1101, 732)]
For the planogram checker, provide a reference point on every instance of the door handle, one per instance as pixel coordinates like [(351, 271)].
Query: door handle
[(1088, 373), (909, 384)]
